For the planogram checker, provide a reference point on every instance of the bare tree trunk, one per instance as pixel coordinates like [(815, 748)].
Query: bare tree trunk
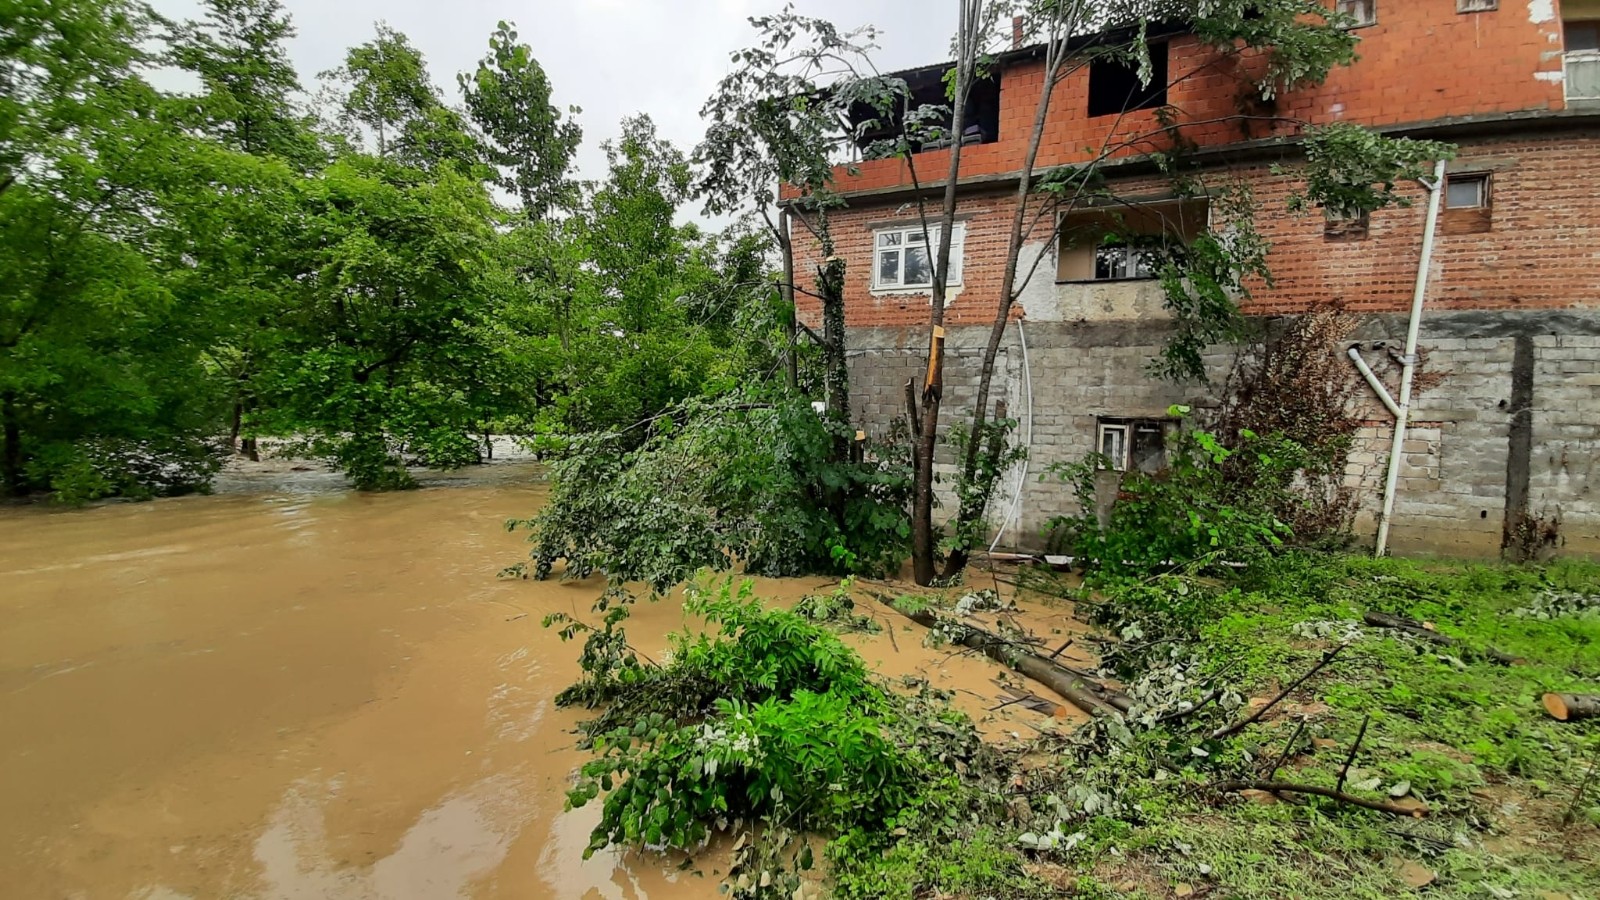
[(974, 504), (786, 290), (969, 40), (836, 372), (11, 463)]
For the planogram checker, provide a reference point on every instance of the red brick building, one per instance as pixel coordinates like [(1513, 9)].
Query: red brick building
[(1512, 316)]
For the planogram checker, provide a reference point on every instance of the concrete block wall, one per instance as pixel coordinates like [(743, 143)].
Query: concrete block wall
[(1458, 454)]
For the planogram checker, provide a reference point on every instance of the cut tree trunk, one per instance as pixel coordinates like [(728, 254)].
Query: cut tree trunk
[(1080, 692), (1569, 707), (1417, 629)]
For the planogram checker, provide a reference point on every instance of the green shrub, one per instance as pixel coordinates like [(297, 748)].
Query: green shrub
[(1198, 508), (739, 481)]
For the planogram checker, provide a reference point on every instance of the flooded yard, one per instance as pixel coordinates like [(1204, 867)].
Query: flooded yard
[(290, 690)]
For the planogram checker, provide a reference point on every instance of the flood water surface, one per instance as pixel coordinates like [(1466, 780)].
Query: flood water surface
[(302, 693), (293, 691)]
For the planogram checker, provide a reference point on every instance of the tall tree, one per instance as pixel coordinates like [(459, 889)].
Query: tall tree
[(240, 52), (102, 201), (508, 98), (384, 357)]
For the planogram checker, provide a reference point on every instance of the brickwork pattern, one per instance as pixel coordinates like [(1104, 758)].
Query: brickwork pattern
[(1543, 251), (1410, 70)]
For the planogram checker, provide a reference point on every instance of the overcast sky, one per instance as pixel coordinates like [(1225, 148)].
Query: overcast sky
[(611, 58)]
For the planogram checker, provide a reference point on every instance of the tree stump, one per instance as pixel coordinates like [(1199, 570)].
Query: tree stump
[(1567, 707)]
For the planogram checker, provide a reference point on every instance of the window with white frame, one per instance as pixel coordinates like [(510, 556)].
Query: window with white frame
[(1363, 12), (903, 258), (1133, 444)]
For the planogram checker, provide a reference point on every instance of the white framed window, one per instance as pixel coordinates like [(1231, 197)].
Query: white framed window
[(903, 259), (1117, 260), (1469, 6), (1113, 445), (1364, 12)]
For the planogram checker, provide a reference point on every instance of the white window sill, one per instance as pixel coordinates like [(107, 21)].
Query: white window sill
[(912, 292)]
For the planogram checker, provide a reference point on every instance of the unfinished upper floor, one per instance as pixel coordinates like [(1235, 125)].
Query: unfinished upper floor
[(1420, 63)]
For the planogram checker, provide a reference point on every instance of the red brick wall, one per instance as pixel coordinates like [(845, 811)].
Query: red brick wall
[(1422, 62), (1543, 251)]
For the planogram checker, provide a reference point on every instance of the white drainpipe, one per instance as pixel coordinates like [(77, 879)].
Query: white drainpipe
[(1403, 416), (1027, 442)]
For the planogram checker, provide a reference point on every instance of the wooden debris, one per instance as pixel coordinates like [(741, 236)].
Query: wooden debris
[(1256, 716), (1414, 809), (1080, 692), (1570, 707), (1425, 631)]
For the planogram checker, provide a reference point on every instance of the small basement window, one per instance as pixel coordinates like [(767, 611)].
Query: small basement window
[(1471, 6), (1467, 204), (1114, 85), (1125, 242), (1466, 191), (902, 259), (1363, 12), (1133, 444)]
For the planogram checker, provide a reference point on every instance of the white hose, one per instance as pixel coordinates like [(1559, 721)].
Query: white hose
[(1027, 444)]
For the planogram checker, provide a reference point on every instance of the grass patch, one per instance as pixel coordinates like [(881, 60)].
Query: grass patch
[(912, 805)]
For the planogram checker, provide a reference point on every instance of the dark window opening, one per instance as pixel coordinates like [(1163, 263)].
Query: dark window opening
[(1582, 37), (1128, 241), (1114, 85), (1340, 227), (927, 89)]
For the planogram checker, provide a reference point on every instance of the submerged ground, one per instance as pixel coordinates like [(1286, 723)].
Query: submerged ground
[(289, 690)]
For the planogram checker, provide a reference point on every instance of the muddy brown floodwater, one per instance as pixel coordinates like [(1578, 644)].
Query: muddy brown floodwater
[(293, 691)]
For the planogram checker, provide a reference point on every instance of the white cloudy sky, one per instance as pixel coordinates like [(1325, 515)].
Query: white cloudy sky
[(612, 58)]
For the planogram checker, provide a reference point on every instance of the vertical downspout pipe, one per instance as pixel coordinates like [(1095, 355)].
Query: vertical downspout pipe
[(1409, 370), (1012, 513)]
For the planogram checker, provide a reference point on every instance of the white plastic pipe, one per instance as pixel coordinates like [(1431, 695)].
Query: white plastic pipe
[(1373, 382), (1403, 415), (1027, 441)]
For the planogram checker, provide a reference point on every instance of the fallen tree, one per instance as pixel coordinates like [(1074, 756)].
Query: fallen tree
[(1089, 696), (1419, 630), (1570, 707)]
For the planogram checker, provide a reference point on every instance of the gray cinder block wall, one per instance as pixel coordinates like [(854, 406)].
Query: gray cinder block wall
[(1466, 456)]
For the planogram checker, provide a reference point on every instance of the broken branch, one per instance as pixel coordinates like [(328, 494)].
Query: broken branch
[(1344, 772), (1284, 787), (1255, 717), (1417, 629), (1287, 749), (1086, 695)]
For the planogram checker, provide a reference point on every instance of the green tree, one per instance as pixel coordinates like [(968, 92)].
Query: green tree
[(385, 352), (388, 93), (102, 201), (247, 102), (508, 99)]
